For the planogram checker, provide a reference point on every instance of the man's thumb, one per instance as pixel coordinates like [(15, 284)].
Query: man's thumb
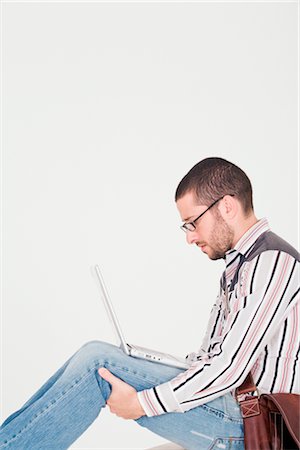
[(107, 375)]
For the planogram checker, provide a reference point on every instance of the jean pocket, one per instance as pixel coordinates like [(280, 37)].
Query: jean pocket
[(232, 409), (228, 443)]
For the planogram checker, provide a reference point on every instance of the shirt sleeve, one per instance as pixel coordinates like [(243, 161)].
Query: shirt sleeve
[(260, 302)]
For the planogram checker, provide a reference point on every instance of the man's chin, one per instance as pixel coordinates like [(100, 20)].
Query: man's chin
[(211, 253), (214, 256)]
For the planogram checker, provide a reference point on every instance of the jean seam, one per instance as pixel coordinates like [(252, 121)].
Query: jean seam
[(138, 375), (221, 414), (50, 405)]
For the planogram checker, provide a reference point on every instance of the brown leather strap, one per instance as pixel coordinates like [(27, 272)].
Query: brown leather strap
[(248, 385), (250, 407)]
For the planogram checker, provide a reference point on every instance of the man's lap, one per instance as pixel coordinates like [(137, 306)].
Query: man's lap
[(217, 424)]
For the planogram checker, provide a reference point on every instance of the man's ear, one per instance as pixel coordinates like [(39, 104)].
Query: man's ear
[(229, 207)]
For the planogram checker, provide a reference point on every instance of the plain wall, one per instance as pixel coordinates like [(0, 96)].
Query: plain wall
[(105, 108)]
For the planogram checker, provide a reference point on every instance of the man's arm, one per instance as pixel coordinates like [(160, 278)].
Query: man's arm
[(270, 294)]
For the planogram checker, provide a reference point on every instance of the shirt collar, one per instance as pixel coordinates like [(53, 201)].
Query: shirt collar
[(245, 243), (247, 240)]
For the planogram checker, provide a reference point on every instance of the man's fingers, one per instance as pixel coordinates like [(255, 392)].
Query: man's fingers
[(111, 408), (108, 376)]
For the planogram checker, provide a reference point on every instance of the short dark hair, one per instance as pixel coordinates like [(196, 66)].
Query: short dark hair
[(213, 178)]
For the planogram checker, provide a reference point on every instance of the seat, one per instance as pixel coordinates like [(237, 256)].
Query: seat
[(168, 446)]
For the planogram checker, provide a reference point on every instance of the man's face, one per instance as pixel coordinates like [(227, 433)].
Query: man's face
[(212, 234)]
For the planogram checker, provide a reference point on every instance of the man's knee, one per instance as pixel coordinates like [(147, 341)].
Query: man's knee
[(95, 352)]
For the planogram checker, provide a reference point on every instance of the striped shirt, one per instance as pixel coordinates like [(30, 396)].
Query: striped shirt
[(253, 326)]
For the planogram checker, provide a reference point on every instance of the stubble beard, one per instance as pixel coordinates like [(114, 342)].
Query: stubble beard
[(221, 238)]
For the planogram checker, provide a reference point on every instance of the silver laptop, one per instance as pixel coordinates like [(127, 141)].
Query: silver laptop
[(134, 350)]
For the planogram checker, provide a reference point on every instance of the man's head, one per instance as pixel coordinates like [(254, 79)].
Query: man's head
[(223, 192)]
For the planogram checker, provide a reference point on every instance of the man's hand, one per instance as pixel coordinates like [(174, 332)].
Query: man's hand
[(123, 400)]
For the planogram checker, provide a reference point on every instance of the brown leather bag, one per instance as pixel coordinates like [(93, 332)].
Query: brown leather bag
[(271, 421)]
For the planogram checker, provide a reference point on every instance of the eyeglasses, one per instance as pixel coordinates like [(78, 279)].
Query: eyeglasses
[(191, 226)]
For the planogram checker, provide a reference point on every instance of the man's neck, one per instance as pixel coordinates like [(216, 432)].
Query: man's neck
[(243, 227)]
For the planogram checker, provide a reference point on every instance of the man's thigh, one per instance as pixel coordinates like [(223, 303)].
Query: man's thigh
[(215, 425), (212, 426)]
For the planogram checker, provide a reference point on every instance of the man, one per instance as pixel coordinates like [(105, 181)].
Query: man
[(253, 327)]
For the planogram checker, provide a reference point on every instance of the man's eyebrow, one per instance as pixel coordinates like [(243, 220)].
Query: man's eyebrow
[(187, 219)]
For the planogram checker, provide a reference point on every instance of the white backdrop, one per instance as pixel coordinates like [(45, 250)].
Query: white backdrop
[(105, 108)]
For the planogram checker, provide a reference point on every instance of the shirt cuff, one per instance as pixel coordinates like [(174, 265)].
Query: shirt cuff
[(159, 400)]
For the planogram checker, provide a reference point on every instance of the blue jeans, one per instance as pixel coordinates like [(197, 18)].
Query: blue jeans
[(66, 405)]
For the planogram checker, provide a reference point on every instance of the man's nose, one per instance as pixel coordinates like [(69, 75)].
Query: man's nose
[(192, 237)]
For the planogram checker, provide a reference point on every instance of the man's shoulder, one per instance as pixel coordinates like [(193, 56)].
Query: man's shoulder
[(270, 241)]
